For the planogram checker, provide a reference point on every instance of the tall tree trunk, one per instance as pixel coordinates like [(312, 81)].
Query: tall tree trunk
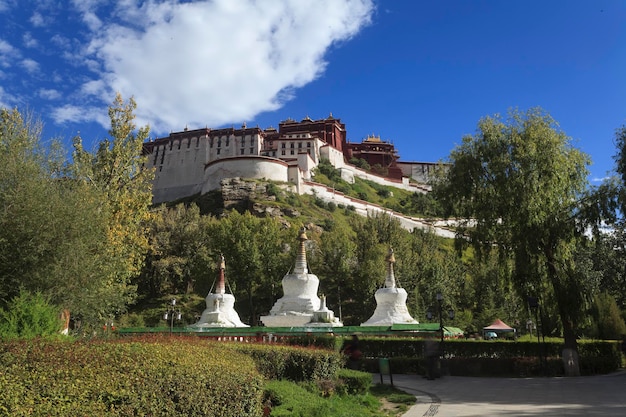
[(570, 349)]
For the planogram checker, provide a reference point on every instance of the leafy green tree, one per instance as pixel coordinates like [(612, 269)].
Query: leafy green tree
[(608, 318), (116, 171), (180, 253), (429, 266), (374, 236), (517, 182), (123, 189), (336, 263), (51, 233), (23, 192), (255, 260)]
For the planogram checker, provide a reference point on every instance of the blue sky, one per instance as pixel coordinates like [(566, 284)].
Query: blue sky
[(418, 73)]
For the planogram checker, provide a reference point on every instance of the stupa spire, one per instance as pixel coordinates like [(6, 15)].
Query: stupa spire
[(301, 267), (221, 287), (390, 279)]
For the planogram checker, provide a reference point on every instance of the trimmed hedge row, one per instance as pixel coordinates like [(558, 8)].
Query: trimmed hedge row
[(293, 363), (127, 378), (493, 358)]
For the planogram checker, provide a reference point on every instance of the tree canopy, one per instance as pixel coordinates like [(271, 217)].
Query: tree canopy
[(516, 183)]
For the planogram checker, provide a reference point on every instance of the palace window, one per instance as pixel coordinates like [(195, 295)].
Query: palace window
[(291, 145), (241, 151), (299, 145), (282, 145), (251, 151), (218, 151), (282, 153)]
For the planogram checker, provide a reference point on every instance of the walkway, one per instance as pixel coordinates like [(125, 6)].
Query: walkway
[(603, 395)]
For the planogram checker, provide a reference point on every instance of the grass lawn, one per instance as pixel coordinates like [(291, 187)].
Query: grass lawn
[(291, 399)]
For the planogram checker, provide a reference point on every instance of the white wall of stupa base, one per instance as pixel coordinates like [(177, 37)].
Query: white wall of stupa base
[(390, 308), (286, 320)]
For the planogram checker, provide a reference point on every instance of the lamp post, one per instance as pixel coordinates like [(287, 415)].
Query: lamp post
[(533, 303), (171, 314), (429, 315)]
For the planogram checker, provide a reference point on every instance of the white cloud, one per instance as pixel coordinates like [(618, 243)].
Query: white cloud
[(5, 5), (6, 99), (30, 65), (215, 62), (77, 114), (598, 179), (7, 54), (29, 41), (37, 19), (49, 93), (61, 41)]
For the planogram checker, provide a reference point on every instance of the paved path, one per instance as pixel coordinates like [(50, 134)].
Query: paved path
[(603, 395)]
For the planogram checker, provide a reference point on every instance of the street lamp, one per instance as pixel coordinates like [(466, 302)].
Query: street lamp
[(533, 303), (171, 314), (430, 316), (429, 313)]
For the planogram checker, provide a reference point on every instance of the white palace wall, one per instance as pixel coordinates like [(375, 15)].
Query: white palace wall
[(197, 161), (179, 168), (244, 167)]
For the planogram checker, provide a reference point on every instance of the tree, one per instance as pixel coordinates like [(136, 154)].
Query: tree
[(123, 188), (517, 183), (255, 260), (336, 263), (609, 322), (52, 232), (180, 252), (24, 190)]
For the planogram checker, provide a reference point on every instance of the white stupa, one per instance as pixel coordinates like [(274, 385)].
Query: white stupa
[(300, 306), (390, 301), (220, 307)]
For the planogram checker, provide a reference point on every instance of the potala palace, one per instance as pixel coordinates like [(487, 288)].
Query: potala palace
[(194, 162)]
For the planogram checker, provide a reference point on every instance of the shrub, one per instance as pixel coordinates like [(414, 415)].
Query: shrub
[(158, 377), (355, 382), (29, 316), (293, 363)]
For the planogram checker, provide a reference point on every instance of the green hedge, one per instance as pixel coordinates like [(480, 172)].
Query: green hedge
[(354, 382), (470, 357), (293, 363), (165, 377)]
